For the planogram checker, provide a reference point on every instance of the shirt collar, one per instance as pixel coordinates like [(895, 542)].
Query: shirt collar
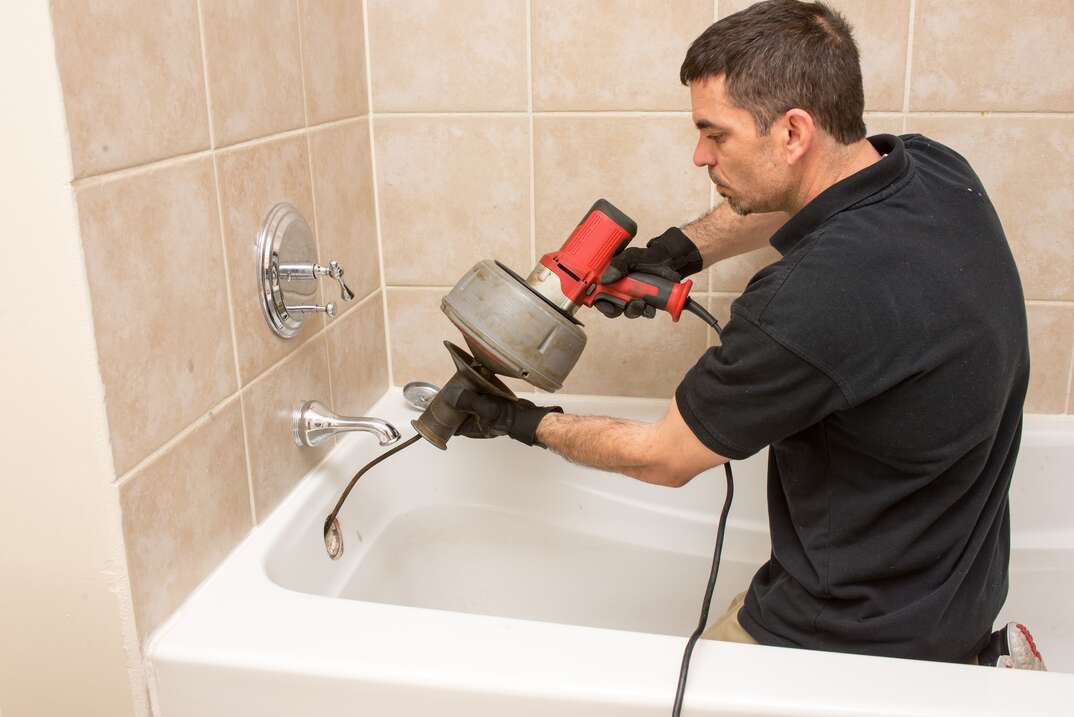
[(847, 192)]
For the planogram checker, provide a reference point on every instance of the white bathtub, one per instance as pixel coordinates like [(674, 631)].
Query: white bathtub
[(495, 579)]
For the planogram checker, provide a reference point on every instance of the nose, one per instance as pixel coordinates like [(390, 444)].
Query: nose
[(703, 157)]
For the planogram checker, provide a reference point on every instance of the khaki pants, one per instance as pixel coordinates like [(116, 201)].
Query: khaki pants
[(727, 628)]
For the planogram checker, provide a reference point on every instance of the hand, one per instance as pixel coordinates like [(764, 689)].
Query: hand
[(671, 255), (492, 416)]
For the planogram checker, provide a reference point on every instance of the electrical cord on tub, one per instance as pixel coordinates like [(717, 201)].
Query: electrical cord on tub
[(696, 308)]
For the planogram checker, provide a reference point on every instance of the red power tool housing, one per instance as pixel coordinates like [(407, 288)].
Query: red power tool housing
[(588, 251)]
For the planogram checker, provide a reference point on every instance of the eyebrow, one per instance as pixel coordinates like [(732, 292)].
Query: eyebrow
[(705, 124)]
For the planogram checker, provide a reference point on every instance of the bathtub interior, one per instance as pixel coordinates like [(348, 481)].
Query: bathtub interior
[(497, 529)]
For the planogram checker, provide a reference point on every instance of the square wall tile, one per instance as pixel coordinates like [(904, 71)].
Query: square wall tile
[(1051, 343), (1000, 55), (156, 273), (132, 80), (883, 124), (719, 307), (637, 357), (1026, 165), (183, 513), (253, 179), (276, 463), (732, 275), (418, 330), (255, 76), (358, 357), (642, 165), (448, 55), (333, 59), (613, 54), (453, 191), (880, 29), (343, 193)]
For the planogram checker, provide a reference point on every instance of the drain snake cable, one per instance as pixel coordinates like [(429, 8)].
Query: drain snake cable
[(347, 491), (695, 308)]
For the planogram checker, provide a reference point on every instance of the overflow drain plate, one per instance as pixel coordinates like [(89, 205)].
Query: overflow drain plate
[(419, 394)]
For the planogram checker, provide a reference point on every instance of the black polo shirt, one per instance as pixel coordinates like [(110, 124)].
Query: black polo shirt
[(884, 360)]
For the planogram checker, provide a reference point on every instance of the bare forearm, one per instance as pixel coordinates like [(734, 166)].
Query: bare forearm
[(610, 444), (722, 233)]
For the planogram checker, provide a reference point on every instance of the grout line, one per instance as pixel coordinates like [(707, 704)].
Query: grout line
[(909, 60), (257, 141), (529, 115), (227, 274), (617, 113), (320, 255), (1049, 302), (201, 420), (376, 194), (168, 445), (715, 10), (234, 333), (205, 73), (992, 114), (165, 162), (302, 67), (140, 169), (329, 124), (470, 113), (419, 287), (541, 113), (710, 333), (1069, 405), (312, 337), (326, 323), (246, 450), (350, 306)]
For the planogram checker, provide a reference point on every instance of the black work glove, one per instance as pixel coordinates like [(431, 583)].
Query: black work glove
[(492, 416), (671, 255)]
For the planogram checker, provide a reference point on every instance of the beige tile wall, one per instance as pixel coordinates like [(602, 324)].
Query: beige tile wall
[(189, 119), (603, 114), (448, 132)]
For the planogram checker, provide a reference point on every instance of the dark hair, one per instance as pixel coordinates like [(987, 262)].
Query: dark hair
[(782, 54)]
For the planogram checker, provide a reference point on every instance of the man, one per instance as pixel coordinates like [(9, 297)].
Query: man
[(883, 359)]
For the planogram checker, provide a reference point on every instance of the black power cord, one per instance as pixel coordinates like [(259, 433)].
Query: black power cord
[(696, 308)]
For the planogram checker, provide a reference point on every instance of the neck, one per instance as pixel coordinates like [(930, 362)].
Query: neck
[(832, 167)]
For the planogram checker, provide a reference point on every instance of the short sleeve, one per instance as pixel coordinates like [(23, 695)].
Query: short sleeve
[(752, 391)]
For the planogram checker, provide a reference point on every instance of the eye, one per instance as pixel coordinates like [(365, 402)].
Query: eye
[(717, 137)]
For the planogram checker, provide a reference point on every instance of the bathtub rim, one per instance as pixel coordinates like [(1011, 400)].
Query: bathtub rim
[(232, 622)]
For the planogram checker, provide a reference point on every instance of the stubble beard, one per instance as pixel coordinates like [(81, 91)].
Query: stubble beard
[(736, 206), (740, 209)]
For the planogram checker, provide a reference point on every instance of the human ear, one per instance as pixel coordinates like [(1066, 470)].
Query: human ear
[(799, 134)]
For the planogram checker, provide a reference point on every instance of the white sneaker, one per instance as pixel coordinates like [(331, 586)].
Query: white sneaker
[(1012, 648)]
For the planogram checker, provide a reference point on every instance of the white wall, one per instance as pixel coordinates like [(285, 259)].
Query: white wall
[(67, 644)]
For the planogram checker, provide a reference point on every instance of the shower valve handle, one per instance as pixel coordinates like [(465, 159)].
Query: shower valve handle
[(288, 272)]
